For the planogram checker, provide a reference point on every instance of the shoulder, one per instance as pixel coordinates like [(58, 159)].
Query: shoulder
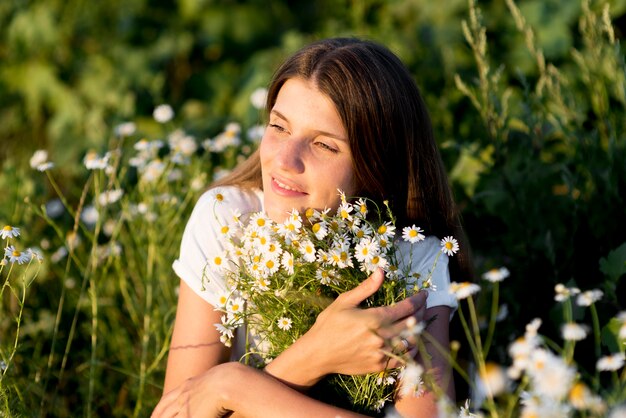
[(423, 252), (221, 202)]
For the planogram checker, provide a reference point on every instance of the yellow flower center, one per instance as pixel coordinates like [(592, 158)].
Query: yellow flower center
[(375, 260), (7, 228), (309, 212), (344, 214), (218, 261), (219, 197), (382, 229), (225, 229), (269, 264), (260, 222), (412, 233), (449, 245), (16, 253)]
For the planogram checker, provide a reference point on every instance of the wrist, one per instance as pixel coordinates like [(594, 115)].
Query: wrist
[(299, 366)]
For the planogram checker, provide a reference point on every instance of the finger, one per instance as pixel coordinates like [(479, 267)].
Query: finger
[(398, 329), (364, 290), (405, 308)]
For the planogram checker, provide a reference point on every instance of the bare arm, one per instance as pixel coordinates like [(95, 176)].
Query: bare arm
[(247, 391), (195, 345), (438, 365)]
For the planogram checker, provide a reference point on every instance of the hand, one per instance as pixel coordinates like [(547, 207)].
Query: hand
[(199, 396), (349, 340)]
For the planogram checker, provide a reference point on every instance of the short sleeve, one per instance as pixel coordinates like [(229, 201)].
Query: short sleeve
[(201, 238), (426, 258)]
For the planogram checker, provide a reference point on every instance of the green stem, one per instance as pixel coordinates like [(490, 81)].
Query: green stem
[(492, 318)]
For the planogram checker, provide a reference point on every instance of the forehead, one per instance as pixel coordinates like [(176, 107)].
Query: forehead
[(302, 99)]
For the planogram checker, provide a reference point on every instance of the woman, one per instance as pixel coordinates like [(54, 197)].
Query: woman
[(343, 114)]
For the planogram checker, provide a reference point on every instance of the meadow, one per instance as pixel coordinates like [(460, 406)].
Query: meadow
[(116, 117)]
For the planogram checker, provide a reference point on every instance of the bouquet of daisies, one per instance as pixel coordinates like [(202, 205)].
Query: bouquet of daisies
[(281, 276)]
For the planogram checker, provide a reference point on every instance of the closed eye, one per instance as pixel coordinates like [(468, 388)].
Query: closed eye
[(277, 127), (326, 147)]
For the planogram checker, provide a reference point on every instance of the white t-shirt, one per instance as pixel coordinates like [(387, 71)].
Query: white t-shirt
[(201, 242)]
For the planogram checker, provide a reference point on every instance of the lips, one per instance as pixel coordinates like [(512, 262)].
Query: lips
[(284, 187)]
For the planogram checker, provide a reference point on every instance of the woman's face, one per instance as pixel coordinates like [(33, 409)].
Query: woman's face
[(305, 155)]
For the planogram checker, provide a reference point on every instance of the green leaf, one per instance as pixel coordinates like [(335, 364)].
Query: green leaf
[(614, 264)]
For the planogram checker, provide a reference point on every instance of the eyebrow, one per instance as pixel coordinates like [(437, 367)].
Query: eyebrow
[(323, 133)]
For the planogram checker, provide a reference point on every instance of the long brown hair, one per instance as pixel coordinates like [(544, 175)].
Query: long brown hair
[(394, 153)]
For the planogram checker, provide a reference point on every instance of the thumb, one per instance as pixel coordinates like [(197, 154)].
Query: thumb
[(364, 290)]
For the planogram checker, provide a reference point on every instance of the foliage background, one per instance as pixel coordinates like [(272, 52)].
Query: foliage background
[(539, 174)]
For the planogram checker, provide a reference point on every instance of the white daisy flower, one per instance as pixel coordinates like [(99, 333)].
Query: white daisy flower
[(589, 297), (386, 231), (496, 275), (413, 234), (563, 293), (463, 290), (259, 221), (235, 306), (163, 113), (308, 251), (125, 129), (344, 210), (364, 230), (324, 276), (320, 229), (110, 196), (572, 331), (258, 98), (360, 207), (16, 256), (89, 215), (411, 383), (550, 375), (9, 232), (287, 262), (284, 323), (262, 283), (450, 246), (366, 249), (612, 362), (94, 162), (39, 158), (152, 171), (374, 263)]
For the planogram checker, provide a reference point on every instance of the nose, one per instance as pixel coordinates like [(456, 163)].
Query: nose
[(290, 155)]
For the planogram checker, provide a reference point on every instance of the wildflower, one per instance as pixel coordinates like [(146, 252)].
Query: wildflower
[(589, 297), (39, 157), (58, 255), (34, 254), (496, 275), (612, 362), (45, 166), (411, 380), (365, 250), (308, 251), (152, 171), (581, 398), (386, 231), (89, 215), (287, 262), (463, 290), (572, 331), (493, 380), (259, 97), (15, 256), (163, 113), (564, 293), (361, 207), (284, 323), (110, 196), (320, 229), (125, 129), (450, 245), (550, 375), (255, 133), (413, 234), (94, 162), (9, 232), (235, 306), (222, 299), (344, 211)]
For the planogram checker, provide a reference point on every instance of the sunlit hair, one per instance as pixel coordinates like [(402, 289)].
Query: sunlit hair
[(395, 156)]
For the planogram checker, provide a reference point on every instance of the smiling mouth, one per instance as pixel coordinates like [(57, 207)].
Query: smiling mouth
[(285, 186)]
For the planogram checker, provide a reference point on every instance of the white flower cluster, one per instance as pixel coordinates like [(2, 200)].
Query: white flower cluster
[(260, 253), (11, 253)]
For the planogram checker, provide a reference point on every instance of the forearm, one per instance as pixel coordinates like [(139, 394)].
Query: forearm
[(298, 366), (251, 393)]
